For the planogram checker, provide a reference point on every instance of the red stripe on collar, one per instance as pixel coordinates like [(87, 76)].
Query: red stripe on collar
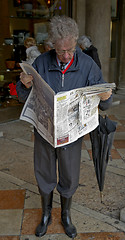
[(68, 65)]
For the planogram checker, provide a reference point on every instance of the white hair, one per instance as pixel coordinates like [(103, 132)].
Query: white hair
[(62, 27), (84, 42), (48, 43)]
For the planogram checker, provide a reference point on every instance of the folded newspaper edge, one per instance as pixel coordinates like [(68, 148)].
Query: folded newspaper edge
[(64, 117)]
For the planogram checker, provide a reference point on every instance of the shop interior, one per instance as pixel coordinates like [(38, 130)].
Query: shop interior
[(21, 19)]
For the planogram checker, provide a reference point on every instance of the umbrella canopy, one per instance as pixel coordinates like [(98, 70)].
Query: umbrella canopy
[(101, 141)]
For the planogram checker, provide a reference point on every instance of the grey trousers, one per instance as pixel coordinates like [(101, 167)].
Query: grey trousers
[(45, 164)]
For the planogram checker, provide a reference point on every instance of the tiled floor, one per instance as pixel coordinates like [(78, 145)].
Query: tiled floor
[(16, 221), (20, 209)]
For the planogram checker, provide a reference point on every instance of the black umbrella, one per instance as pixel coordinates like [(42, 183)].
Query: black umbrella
[(102, 140)]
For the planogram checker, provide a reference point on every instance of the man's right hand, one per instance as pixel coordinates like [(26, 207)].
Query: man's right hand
[(26, 79)]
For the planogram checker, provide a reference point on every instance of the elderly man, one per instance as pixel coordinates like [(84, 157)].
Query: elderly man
[(63, 68)]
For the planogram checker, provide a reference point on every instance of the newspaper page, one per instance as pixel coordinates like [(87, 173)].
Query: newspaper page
[(39, 107), (64, 117), (76, 114)]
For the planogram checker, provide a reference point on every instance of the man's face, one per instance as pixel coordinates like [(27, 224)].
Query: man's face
[(65, 49)]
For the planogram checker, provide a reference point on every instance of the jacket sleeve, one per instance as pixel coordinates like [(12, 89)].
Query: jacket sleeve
[(22, 91), (103, 105)]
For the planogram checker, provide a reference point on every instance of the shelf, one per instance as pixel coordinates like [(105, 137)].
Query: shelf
[(10, 76), (3, 82), (31, 17), (11, 71), (32, 14)]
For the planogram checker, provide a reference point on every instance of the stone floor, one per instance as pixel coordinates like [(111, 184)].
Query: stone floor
[(20, 209)]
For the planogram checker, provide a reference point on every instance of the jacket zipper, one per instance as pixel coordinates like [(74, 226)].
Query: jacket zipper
[(62, 79)]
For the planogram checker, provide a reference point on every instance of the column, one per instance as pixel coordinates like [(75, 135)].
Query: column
[(79, 14), (98, 17), (122, 53)]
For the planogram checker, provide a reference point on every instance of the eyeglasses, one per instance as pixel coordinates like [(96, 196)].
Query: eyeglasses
[(70, 51)]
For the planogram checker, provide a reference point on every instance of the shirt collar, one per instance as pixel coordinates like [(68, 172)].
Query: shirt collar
[(58, 61)]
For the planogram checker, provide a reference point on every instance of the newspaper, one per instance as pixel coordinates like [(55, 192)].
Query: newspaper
[(64, 117)]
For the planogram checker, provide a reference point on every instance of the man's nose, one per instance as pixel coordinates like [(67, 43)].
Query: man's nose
[(66, 54)]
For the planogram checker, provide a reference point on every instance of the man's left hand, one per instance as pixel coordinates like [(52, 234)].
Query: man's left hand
[(104, 96)]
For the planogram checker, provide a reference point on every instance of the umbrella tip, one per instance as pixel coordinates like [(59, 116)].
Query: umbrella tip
[(101, 197)]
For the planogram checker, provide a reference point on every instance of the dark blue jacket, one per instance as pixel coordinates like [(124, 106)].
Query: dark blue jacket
[(83, 72)]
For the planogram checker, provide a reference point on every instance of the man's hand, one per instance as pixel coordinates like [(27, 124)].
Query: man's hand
[(26, 79), (104, 96)]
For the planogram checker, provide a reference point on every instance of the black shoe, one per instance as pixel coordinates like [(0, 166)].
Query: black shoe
[(46, 215), (69, 228), (42, 227)]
